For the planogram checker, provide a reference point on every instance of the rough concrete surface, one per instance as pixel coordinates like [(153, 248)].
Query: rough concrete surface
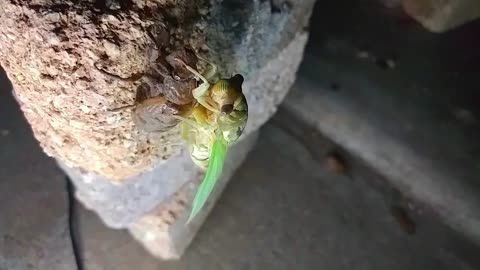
[(58, 57), (89, 58)]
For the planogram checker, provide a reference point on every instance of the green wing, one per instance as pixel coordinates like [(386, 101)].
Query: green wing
[(214, 171)]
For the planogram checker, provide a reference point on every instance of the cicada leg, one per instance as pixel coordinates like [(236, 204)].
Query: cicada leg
[(212, 73), (184, 132), (200, 92), (193, 137), (192, 70)]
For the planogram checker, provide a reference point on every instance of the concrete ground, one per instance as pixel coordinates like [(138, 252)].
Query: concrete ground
[(284, 208)]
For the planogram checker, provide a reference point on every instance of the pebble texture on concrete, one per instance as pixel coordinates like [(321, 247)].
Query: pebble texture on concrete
[(66, 50), (57, 57)]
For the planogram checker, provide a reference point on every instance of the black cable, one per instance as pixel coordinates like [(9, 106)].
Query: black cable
[(71, 223)]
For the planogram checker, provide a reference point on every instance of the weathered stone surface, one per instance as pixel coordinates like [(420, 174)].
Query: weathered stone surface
[(163, 231), (442, 15), (59, 57)]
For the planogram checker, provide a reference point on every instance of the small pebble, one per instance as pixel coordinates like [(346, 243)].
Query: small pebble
[(334, 86), (111, 49), (391, 63), (403, 219), (363, 55), (203, 11), (335, 163), (85, 108), (204, 48), (411, 206), (20, 77), (52, 17), (385, 63), (465, 116)]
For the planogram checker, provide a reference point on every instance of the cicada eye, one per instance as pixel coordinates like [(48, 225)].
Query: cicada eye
[(236, 82), (227, 108), (238, 79)]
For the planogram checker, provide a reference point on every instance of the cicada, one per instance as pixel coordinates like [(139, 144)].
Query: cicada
[(213, 113), (216, 121)]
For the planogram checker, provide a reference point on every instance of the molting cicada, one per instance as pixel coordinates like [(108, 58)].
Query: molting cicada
[(213, 112), (217, 120)]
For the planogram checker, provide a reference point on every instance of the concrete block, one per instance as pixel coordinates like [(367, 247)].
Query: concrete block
[(442, 15), (120, 172)]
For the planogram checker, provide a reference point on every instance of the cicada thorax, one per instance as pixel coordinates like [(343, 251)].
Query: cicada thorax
[(233, 124), (228, 122), (154, 112), (224, 93), (199, 132), (178, 91), (199, 151), (232, 107)]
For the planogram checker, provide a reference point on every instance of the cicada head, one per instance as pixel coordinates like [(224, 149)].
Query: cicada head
[(232, 124), (226, 92)]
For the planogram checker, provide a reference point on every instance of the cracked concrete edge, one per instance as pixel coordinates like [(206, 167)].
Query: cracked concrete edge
[(417, 177), (163, 231)]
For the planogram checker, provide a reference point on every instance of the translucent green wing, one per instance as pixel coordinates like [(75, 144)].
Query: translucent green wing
[(214, 171)]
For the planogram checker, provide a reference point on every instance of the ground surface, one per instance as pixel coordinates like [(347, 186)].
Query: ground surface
[(282, 210)]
